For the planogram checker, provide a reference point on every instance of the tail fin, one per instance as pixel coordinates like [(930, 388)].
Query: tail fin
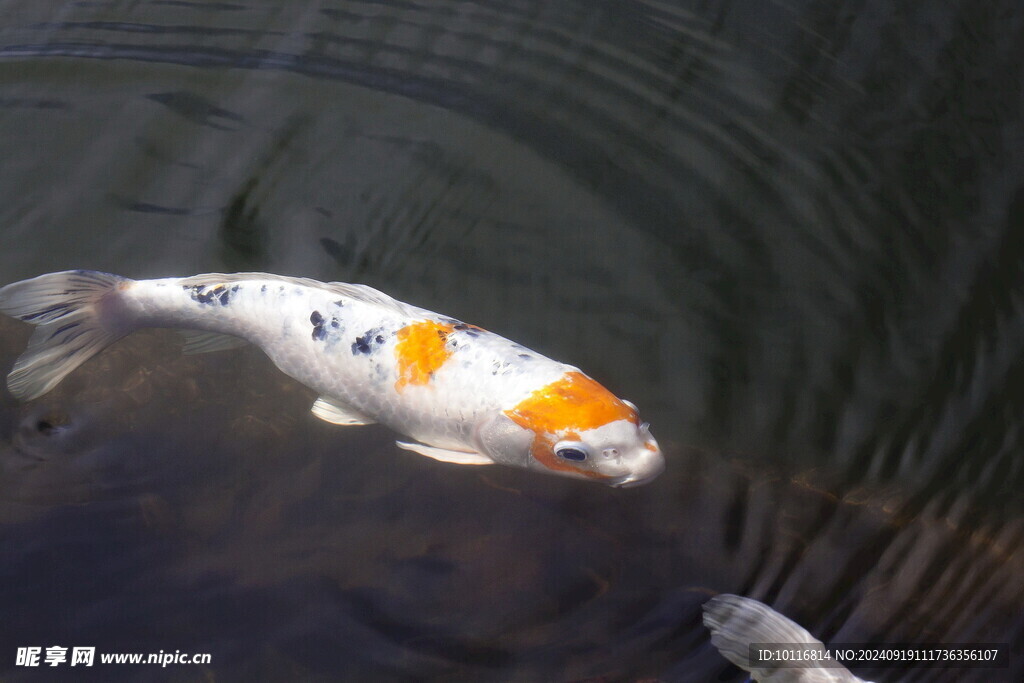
[(65, 306), (736, 623)]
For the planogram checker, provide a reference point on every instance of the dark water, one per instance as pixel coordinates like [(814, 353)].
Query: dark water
[(791, 232)]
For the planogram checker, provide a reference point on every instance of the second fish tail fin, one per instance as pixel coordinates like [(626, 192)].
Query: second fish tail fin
[(76, 315), (736, 623)]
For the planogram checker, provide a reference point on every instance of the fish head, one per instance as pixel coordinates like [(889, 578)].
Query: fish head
[(574, 427), (620, 453)]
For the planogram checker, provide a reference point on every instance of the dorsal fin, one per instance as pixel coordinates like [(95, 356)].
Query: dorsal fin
[(366, 294), (357, 292)]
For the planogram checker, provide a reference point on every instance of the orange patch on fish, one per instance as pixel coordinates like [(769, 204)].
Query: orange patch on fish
[(421, 350), (576, 403), (573, 402)]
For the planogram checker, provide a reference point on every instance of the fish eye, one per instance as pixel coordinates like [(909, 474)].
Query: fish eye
[(571, 454)]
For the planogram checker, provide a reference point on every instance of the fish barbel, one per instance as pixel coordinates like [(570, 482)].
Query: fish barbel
[(463, 394)]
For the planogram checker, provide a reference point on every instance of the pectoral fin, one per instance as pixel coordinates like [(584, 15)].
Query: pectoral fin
[(200, 341), (336, 412), (445, 455)]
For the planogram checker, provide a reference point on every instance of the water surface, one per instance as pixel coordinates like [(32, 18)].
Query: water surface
[(792, 233)]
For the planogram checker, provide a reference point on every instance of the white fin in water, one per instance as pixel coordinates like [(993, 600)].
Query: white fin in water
[(735, 622), (70, 329), (200, 341), (445, 455), (363, 293), (336, 412)]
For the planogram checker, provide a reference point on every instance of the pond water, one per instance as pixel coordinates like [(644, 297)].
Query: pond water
[(791, 232)]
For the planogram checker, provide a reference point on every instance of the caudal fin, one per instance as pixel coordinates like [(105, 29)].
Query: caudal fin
[(736, 623), (66, 308)]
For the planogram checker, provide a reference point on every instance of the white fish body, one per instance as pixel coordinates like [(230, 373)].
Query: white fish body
[(463, 394)]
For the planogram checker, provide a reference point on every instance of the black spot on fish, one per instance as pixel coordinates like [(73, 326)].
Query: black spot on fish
[(203, 297), (369, 342), (339, 303), (470, 330), (526, 356), (263, 288), (321, 326)]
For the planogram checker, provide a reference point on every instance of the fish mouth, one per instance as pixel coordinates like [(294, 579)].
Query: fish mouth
[(646, 471)]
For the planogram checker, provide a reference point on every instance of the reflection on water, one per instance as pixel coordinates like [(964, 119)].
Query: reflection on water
[(789, 233)]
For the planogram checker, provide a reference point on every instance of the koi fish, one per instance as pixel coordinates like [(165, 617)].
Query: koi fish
[(736, 623), (462, 394)]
